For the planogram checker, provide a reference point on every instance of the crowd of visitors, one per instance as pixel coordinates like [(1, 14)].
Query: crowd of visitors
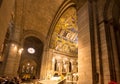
[(8, 80)]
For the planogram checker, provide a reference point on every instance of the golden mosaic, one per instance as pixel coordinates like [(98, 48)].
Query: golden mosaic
[(65, 36)]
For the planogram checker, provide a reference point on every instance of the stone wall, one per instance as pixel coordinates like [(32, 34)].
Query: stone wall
[(84, 47), (102, 67), (110, 66), (6, 10), (102, 61)]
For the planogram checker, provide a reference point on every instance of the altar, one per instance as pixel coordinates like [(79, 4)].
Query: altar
[(52, 81)]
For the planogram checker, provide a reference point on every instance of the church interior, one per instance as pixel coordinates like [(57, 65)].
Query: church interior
[(60, 41)]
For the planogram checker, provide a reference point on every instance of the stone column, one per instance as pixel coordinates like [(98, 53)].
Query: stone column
[(104, 51), (67, 66), (84, 46), (43, 64), (12, 62), (59, 65), (53, 64), (115, 54), (14, 54), (13, 58), (50, 56), (46, 66), (5, 15)]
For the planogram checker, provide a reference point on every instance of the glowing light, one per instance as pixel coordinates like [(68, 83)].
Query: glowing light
[(20, 50), (31, 50), (15, 47), (53, 60), (12, 44), (28, 64), (55, 78)]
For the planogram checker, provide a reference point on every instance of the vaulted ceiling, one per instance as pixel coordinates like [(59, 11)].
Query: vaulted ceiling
[(38, 14), (31, 15)]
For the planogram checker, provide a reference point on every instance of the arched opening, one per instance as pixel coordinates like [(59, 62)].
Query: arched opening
[(64, 43), (31, 57)]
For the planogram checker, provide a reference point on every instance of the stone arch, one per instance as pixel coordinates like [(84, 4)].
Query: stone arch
[(36, 34), (116, 16), (63, 8), (111, 10), (107, 12), (66, 4), (34, 59)]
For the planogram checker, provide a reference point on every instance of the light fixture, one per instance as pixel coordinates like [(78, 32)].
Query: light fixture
[(28, 63), (31, 50), (14, 47), (20, 50)]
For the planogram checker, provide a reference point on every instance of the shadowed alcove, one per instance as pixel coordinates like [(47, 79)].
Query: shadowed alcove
[(30, 63)]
